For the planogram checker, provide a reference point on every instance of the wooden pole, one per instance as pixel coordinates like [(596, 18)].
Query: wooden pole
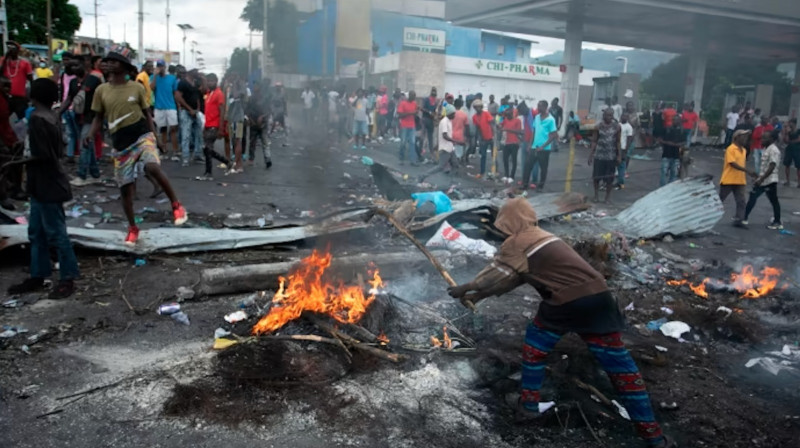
[(49, 32), (568, 184), (389, 217)]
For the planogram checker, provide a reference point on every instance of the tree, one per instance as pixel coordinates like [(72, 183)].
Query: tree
[(239, 61), (27, 20), (668, 82), (283, 21)]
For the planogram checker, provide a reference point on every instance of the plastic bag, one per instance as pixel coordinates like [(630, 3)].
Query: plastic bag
[(449, 238), (438, 198)]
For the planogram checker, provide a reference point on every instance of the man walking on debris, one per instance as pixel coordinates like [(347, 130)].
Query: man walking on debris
[(215, 109), (123, 104), (605, 154), (448, 161), (734, 175), (575, 298), (767, 181)]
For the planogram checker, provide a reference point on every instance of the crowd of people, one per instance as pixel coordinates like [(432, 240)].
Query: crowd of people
[(66, 114)]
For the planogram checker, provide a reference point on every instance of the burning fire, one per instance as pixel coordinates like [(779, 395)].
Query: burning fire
[(447, 344), (382, 338), (744, 282), (306, 289)]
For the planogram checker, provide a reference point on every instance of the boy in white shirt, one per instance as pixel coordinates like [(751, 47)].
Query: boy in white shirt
[(448, 161), (625, 140)]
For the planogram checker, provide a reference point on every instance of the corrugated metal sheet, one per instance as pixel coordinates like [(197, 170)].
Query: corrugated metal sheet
[(547, 205), (683, 207), (178, 240)]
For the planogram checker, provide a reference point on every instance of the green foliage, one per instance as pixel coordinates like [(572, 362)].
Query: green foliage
[(27, 20), (284, 19), (239, 61), (668, 82)]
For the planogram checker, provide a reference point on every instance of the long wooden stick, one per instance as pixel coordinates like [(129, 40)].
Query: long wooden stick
[(401, 228), (355, 343)]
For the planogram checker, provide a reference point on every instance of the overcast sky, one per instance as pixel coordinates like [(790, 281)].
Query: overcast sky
[(218, 29)]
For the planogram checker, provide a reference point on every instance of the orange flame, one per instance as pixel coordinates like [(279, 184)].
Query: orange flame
[(382, 338), (753, 287), (699, 289), (436, 342), (448, 343), (744, 282), (306, 289)]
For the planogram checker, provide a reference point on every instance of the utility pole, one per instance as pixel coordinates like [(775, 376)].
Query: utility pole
[(250, 55), (49, 31), (265, 56), (167, 26), (140, 48), (96, 32)]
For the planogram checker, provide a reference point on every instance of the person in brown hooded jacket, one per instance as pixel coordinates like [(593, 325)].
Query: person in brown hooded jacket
[(575, 298)]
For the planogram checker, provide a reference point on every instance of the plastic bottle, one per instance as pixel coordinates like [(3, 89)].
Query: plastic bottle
[(180, 317)]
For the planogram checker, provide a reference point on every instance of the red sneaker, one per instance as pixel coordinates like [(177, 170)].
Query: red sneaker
[(179, 213), (133, 236)]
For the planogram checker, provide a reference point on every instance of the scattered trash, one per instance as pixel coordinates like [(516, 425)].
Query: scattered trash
[(148, 210), (449, 238), (675, 329), (661, 349), (10, 333), (621, 409), (667, 310), (21, 220), (694, 246), (629, 307), (221, 333), (236, 316), (307, 214), (223, 343), (140, 262), (786, 232), (184, 293), (668, 406), (438, 198), (25, 349), (88, 225), (261, 222), (743, 251), (545, 406), (138, 219), (668, 239), (180, 317), (347, 176), (656, 324), (162, 201), (367, 161), (725, 309), (234, 216), (13, 303), (168, 309)]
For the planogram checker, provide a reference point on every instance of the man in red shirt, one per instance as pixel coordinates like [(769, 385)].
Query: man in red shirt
[(406, 111), (460, 129), (483, 124), (764, 127), (669, 115), (10, 148), (19, 72), (690, 119), (215, 105)]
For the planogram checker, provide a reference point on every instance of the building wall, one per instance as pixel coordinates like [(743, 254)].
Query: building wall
[(492, 44), (421, 71), (311, 36)]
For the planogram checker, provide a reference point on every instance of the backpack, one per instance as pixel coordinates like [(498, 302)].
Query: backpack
[(79, 102)]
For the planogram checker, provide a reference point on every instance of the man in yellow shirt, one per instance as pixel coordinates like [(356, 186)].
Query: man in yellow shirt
[(734, 174), (43, 71), (143, 78)]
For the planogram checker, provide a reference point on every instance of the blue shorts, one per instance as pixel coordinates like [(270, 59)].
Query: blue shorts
[(359, 127)]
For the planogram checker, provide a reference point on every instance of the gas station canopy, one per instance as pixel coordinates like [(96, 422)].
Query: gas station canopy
[(766, 30)]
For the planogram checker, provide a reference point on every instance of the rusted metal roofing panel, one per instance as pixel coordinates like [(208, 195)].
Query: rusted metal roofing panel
[(683, 207)]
